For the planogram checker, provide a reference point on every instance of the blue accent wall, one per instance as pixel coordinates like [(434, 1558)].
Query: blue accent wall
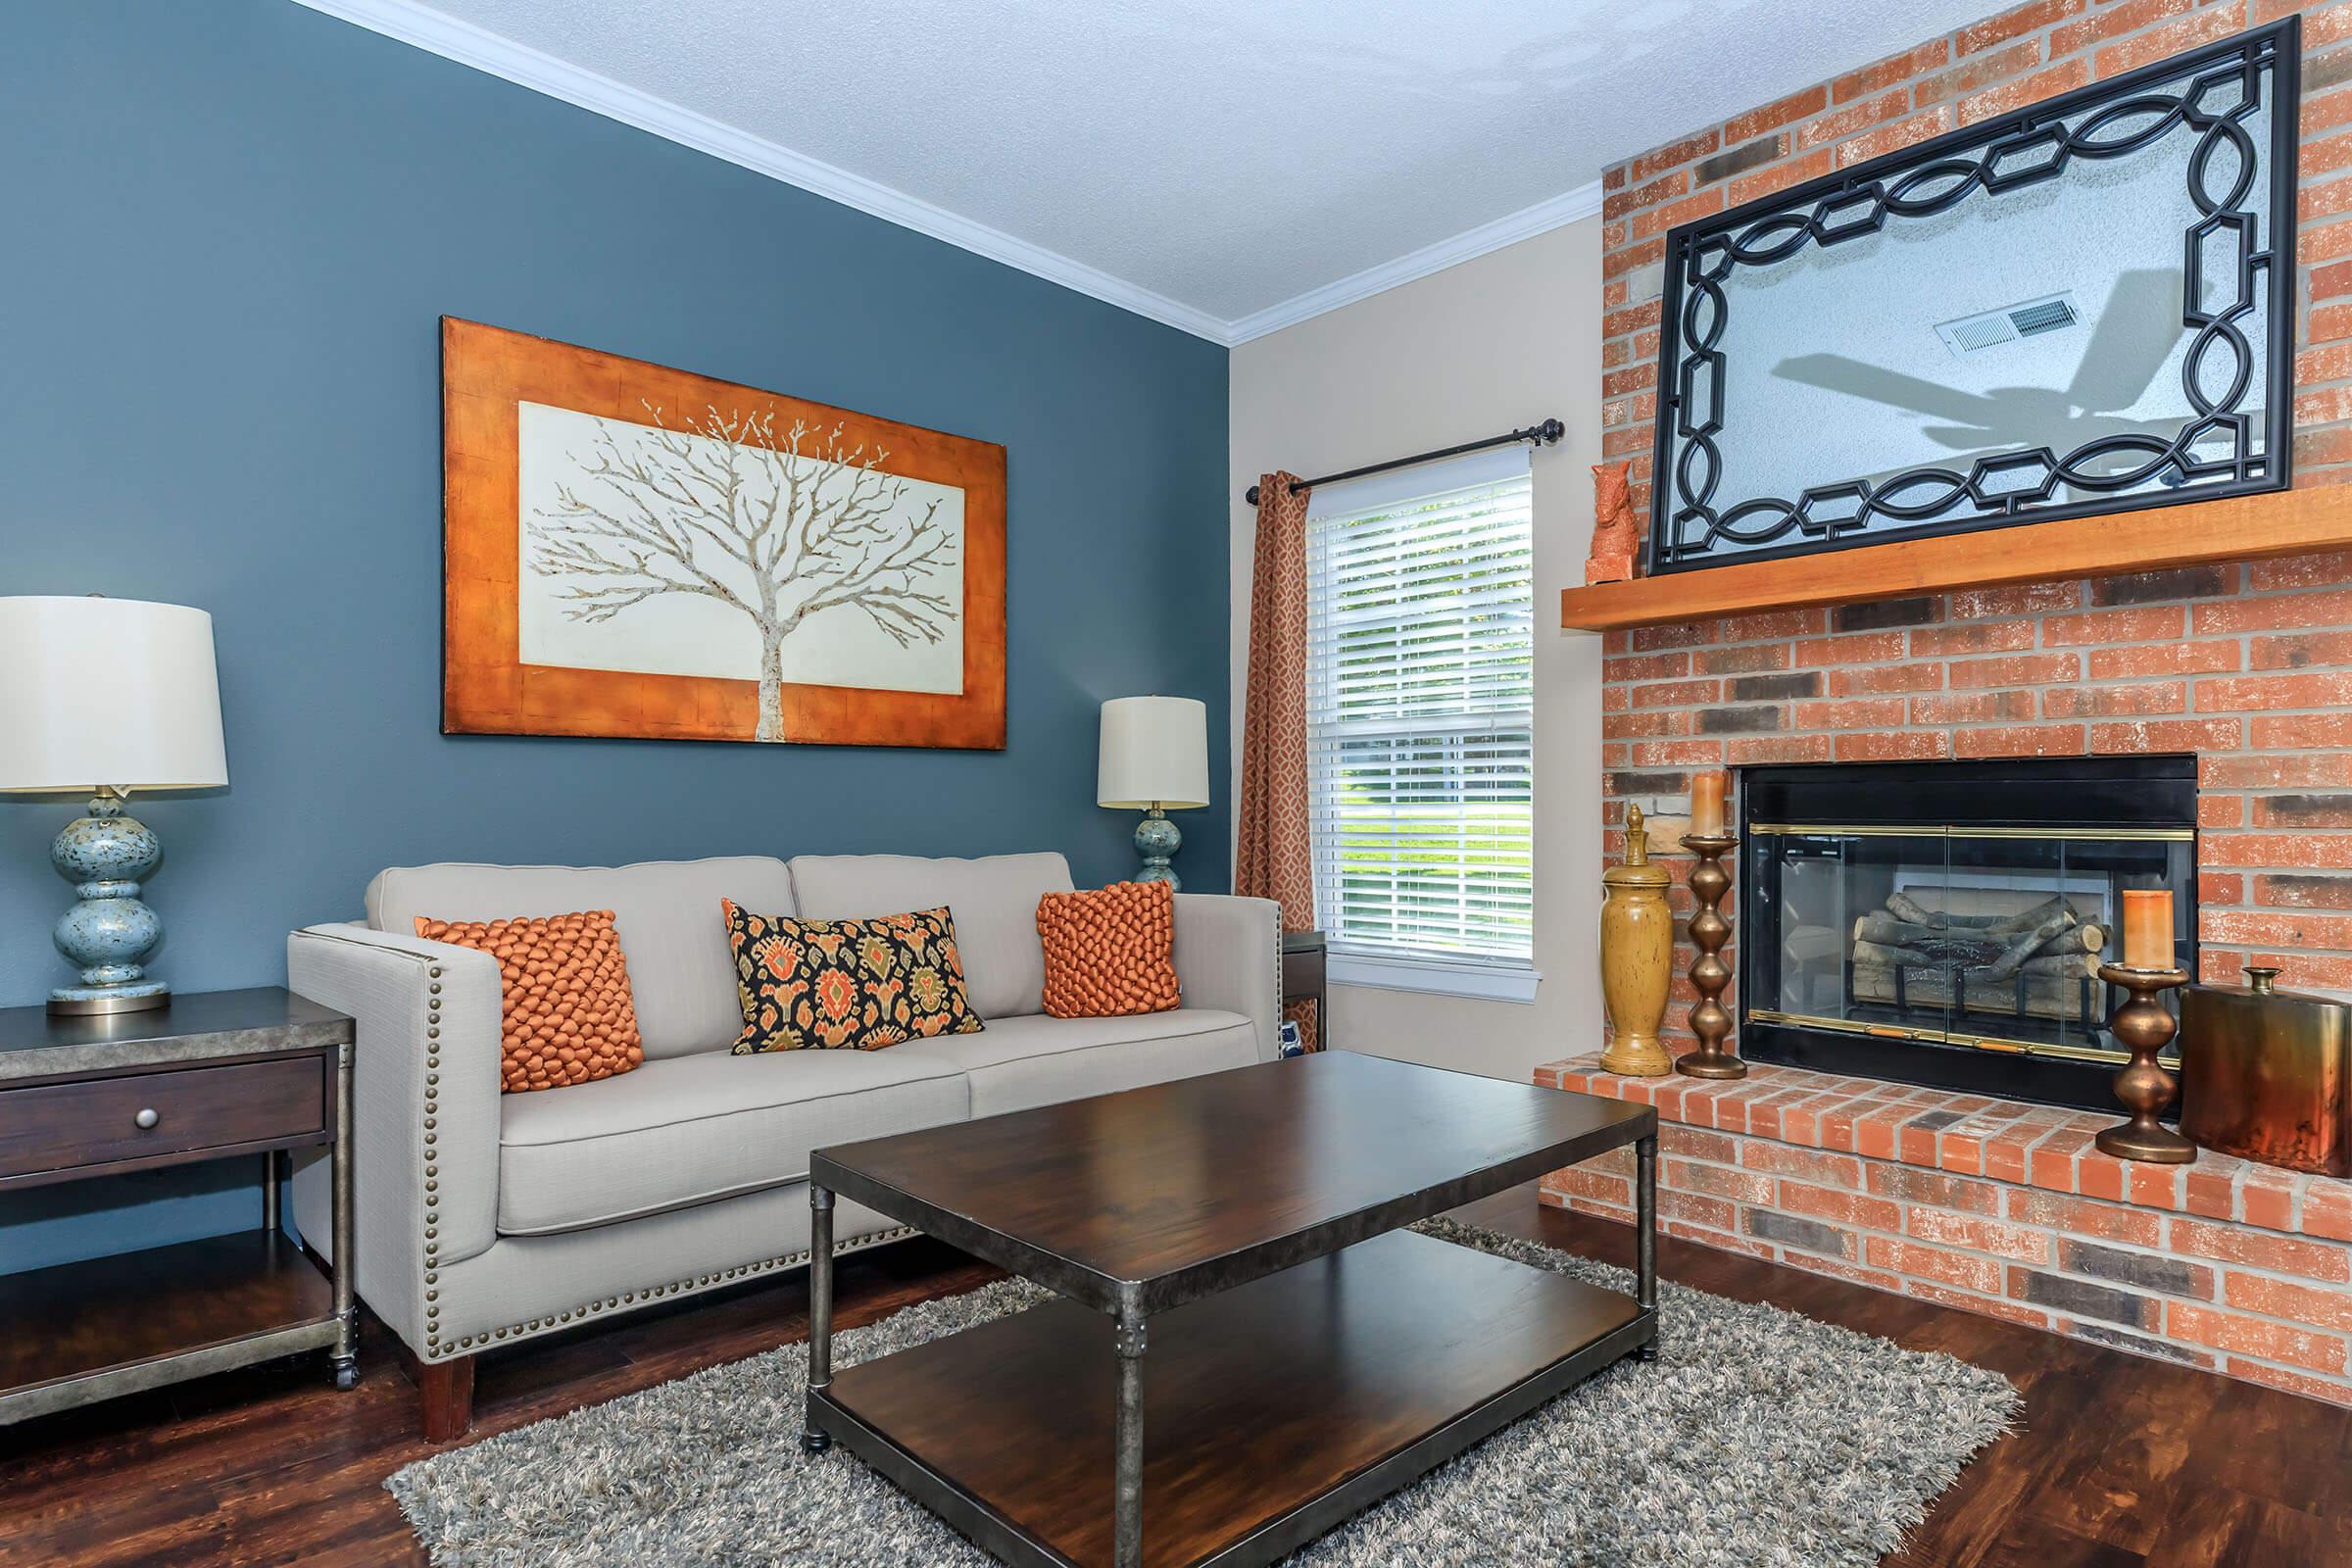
[(232, 228)]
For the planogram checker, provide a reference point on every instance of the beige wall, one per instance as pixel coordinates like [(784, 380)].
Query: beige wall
[(1503, 341)]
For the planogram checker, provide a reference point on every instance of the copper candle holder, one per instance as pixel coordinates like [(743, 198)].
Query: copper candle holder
[(1710, 930), (2143, 1086)]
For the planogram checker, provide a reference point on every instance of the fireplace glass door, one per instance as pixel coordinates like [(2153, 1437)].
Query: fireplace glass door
[(1951, 935)]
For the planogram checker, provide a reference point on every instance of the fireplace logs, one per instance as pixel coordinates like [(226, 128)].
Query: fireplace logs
[(1868, 955), (1904, 932), (2035, 960)]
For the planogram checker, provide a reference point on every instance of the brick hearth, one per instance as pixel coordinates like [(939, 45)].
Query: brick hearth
[(1997, 1207)]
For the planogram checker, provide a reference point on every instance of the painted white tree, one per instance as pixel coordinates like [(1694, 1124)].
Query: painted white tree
[(779, 527)]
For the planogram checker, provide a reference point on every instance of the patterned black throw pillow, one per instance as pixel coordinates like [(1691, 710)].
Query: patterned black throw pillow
[(846, 985)]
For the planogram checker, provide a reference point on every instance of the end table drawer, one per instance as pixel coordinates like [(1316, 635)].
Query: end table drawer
[(106, 1121)]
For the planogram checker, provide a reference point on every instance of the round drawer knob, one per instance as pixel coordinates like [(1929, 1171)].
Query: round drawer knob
[(145, 1118)]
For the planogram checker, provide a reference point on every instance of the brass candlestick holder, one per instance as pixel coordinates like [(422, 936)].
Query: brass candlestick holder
[(1710, 930), (2143, 1084)]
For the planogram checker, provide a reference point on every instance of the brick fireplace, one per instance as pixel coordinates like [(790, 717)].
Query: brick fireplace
[(2000, 1205), (2244, 667)]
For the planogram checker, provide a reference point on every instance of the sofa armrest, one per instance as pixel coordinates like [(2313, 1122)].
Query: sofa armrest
[(424, 1108), (1229, 955)]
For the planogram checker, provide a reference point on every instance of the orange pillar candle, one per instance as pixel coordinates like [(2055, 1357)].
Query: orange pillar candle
[(2147, 928), (1706, 805)]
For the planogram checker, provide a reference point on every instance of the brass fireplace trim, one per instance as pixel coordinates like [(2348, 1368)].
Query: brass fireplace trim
[(1933, 830), (1945, 830), (1939, 1037)]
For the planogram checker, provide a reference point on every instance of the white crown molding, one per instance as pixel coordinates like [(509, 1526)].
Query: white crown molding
[(1526, 223), (468, 45), (437, 33)]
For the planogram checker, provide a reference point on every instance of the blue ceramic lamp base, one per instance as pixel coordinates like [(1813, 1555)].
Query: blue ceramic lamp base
[(108, 933), (1157, 839)]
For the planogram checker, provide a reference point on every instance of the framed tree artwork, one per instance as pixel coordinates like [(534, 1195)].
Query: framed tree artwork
[(636, 551)]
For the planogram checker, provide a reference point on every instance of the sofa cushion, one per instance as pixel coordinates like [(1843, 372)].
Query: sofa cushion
[(994, 899), (667, 912), (709, 1125), (1039, 1061), (846, 985)]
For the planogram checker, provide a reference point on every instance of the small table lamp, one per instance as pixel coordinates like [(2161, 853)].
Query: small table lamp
[(111, 695), (1155, 756)]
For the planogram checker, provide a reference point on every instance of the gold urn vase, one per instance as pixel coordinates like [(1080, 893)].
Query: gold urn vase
[(1636, 957)]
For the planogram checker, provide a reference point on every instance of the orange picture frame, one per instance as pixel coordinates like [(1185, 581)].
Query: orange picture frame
[(487, 372)]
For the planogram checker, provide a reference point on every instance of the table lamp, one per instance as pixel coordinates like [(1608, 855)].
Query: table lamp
[(1154, 756), (107, 695)]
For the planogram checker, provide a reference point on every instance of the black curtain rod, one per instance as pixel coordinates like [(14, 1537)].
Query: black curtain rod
[(1543, 435)]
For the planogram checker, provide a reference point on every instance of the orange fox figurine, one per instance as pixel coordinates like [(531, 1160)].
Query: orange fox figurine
[(1615, 533)]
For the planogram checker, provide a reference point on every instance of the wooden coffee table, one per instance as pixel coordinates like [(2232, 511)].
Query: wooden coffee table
[(1306, 1355)]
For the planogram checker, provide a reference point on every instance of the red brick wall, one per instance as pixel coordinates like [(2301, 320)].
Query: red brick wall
[(2247, 665)]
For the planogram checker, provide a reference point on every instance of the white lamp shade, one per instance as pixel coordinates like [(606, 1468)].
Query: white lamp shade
[(108, 693), (1154, 752)]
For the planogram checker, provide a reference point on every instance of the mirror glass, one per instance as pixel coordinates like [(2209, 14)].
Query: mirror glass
[(2060, 313)]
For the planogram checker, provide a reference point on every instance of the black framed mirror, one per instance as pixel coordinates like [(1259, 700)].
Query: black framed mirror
[(2083, 307)]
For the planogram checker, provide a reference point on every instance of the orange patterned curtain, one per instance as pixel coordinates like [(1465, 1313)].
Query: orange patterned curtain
[(1274, 859)]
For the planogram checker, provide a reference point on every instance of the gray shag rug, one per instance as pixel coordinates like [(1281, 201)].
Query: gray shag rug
[(1789, 1444)]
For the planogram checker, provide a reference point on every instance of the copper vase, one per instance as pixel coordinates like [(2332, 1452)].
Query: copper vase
[(2267, 1074)]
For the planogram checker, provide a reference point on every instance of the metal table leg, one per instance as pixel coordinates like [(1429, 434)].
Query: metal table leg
[(1645, 1233), (815, 1439), (347, 1261), (1127, 1443)]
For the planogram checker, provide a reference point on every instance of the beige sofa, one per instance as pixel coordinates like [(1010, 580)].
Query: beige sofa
[(484, 1219)]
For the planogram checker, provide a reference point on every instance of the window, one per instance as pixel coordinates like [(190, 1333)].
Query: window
[(1420, 713)]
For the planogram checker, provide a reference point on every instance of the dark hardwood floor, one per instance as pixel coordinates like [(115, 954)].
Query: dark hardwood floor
[(2122, 1462)]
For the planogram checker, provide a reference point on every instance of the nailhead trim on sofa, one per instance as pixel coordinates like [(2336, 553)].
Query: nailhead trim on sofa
[(432, 1170), (437, 1348), (556, 1320)]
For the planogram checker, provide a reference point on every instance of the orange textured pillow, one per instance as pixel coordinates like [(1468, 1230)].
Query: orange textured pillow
[(564, 993), (1111, 951)]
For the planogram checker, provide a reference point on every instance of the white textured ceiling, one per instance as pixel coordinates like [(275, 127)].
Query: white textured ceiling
[(1227, 159)]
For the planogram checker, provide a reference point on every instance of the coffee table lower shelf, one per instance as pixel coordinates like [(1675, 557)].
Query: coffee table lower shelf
[(1271, 1412)]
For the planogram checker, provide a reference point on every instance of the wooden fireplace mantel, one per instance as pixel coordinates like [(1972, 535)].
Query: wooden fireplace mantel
[(2283, 523)]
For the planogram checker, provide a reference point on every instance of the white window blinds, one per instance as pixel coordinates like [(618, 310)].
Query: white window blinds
[(1420, 711)]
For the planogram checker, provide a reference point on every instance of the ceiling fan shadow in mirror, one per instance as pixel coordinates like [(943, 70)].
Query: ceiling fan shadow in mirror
[(2084, 306)]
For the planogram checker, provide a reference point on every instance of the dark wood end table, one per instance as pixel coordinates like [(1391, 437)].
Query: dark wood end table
[(1306, 977), (1244, 1230), (215, 1074)]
